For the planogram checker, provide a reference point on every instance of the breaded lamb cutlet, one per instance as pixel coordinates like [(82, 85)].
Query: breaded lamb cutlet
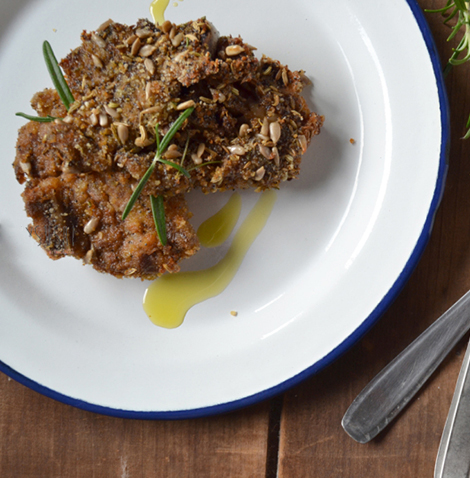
[(249, 129)]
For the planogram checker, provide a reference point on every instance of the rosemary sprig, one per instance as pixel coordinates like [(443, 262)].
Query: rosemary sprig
[(38, 119), (158, 212), (56, 76), (59, 82), (458, 9), (161, 147)]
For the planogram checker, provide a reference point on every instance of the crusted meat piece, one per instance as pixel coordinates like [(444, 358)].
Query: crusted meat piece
[(249, 129), (75, 215)]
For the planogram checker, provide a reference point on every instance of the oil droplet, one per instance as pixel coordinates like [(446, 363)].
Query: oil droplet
[(169, 298), (157, 10), (216, 230)]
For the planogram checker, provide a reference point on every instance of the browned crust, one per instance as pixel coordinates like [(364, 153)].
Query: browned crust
[(249, 129)]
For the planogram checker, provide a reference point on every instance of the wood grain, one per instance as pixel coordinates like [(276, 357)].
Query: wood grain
[(40, 437), (296, 435), (312, 440)]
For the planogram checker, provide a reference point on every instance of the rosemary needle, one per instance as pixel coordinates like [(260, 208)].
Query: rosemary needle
[(38, 119), (56, 76), (59, 82), (460, 11), (158, 212), (161, 147)]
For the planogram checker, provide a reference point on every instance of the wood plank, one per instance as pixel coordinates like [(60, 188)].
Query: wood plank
[(40, 437), (312, 440)]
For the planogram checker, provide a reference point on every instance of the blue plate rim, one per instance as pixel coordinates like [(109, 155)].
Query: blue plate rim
[(351, 339)]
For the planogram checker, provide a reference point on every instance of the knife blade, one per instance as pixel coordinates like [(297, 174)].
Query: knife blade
[(389, 392), (453, 457)]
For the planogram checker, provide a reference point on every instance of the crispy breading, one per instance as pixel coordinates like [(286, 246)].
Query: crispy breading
[(249, 129)]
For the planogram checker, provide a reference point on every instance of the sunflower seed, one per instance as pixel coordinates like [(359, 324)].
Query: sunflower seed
[(185, 105), (265, 127), (111, 112), (123, 132), (143, 32), (136, 47), (176, 41), (234, 50), (196, 159), (172, 154), (96, 61), (103, 119), (147, 50), (237, 149), (166, 27), (265, 151), (91, 225), (243, 130), (303, 143), (275, 131), (149, 65), (259, 175), (129, 41), (276, 158), (105, 25), (98, 40), (200, 150)]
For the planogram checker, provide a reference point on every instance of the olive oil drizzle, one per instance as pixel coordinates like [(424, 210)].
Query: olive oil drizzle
[(169, 298), (215, 231), (157, 10)]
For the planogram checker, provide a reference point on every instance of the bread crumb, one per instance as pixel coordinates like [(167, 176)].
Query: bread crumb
[(234, 313)]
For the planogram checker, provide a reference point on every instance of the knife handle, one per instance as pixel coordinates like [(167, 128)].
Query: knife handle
[(453, 457), (388, 393)]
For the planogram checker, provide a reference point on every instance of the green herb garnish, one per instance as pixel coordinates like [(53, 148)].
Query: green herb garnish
[(458, 9), (161, 147), (56, 76), (59, 82), (158, 212), (38, 119)]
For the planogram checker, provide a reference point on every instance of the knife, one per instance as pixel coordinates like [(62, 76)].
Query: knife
[(453, 457), (388, 393)]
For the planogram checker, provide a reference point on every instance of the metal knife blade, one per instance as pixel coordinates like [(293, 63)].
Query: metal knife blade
[(453, 457), (389, 392)]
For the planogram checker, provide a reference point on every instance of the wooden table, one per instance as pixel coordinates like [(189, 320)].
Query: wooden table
[(298, 434)]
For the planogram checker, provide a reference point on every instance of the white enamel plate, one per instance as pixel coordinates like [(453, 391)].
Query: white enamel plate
[(338, 246)]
